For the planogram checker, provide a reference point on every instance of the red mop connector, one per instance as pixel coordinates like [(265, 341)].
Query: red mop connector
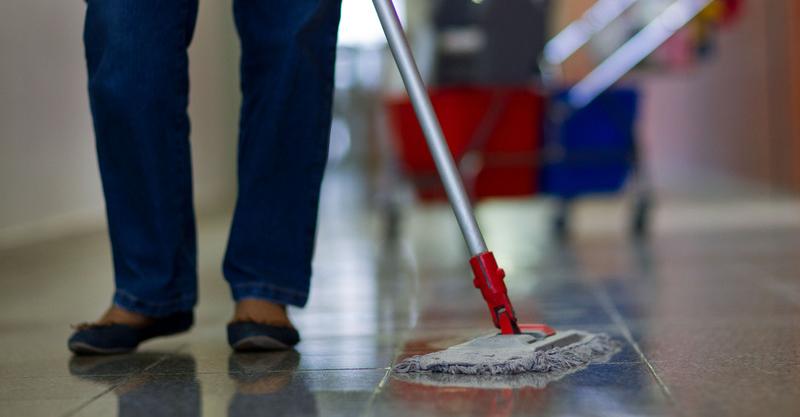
[(489, 279)]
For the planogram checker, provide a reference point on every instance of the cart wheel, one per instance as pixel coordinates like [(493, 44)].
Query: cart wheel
[(561, 220), (640, 221)]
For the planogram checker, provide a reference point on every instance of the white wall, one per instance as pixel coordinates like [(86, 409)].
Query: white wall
[(49, 182)]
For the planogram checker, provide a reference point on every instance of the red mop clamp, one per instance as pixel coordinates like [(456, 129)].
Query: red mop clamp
[(489, 279)]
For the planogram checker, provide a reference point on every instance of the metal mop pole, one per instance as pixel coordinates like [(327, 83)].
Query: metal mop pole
[(430, 126), (488, 276)]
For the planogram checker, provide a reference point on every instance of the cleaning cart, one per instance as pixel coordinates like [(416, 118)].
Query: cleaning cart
[(591, 145), (518, 348), (547, 136)]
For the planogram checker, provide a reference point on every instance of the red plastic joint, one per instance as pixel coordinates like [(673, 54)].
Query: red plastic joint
[(489, 279), (537, 328)]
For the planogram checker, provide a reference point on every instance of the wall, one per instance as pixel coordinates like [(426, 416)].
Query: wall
[(49, 182), (792, 17), (729, 122)]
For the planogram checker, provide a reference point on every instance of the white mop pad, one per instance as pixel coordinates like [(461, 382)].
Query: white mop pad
[(515, 354)]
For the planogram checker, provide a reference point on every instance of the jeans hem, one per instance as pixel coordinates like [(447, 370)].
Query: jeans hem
[(269, 292), (160, 309)]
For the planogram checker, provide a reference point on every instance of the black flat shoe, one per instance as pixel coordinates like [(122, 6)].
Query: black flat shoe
[(255, 337), (95, 339)]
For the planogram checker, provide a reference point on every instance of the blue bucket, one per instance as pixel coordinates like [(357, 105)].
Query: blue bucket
[(590, 150)]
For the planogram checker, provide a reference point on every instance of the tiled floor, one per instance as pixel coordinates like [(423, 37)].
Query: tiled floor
[(708, 312)]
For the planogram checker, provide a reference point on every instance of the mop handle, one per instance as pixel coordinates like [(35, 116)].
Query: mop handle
[(430, 126)]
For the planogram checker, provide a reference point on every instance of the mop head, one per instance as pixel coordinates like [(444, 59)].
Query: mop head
[(516, 354)]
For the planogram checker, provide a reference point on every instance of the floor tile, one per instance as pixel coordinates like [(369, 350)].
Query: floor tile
[(599, 390), (242, 392), (700, 344), (34, 396), (743, 385), (21, 361), (707, 319)]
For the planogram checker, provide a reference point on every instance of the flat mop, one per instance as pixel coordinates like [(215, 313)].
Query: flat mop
[(518, 348)]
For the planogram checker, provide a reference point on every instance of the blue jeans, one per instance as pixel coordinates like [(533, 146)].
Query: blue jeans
[(136, 53)]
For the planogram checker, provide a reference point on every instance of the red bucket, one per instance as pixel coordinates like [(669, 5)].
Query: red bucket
[(493, 133)]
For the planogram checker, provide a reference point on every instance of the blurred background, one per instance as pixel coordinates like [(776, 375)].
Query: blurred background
[(705, 107), (633, 164)]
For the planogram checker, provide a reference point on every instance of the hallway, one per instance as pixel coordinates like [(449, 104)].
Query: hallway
[(708, 312)]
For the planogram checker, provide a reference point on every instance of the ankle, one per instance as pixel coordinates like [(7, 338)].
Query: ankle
[(118, 315), (262, 312)]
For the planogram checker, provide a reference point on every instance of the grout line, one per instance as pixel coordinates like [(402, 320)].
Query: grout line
[(616, 317), (378, 389), (125, 379), (414, 312), (382, 383), (91, 400)]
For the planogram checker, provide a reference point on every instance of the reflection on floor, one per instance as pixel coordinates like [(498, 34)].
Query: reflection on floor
[(709, 318)]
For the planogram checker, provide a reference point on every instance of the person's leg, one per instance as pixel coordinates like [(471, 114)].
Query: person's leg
[(136, 52), (288, 53)]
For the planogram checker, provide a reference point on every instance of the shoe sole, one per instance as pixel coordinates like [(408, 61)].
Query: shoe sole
[(259, 344), (80, 348)]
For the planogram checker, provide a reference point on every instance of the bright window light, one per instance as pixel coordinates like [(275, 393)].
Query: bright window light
[(360, 27)]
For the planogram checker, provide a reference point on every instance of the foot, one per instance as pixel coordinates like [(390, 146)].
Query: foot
[(118, 315), (260, 325), (261, 312)]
